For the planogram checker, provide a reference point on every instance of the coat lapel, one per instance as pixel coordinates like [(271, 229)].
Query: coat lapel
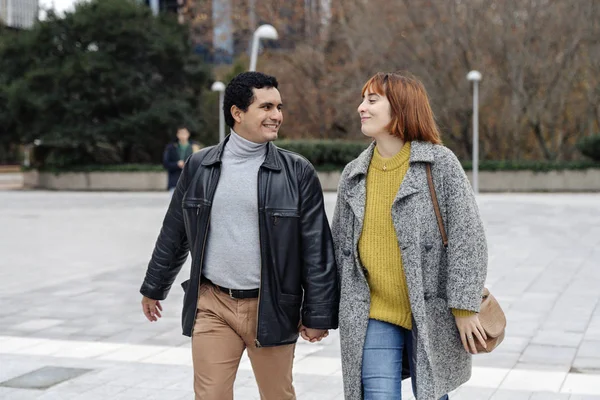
[(405, 205), (357, 184), (415, 180), (410, 185)]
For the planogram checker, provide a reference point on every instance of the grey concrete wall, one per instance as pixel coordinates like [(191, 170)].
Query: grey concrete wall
[(499, 181), (107, 181), (529, 181), (11, 180)]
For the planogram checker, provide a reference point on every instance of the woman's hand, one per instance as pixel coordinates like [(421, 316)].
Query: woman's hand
[(470, 329), (313, 335)]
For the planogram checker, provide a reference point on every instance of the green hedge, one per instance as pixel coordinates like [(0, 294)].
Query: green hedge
[(537, 166), (333, 155), (104, 168), (326, 155), (590, 147)]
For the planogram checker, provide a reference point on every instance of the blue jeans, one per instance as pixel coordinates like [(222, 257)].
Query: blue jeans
[(382, 361)]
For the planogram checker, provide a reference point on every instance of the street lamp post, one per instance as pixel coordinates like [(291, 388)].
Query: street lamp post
[(262, 32), (475, 77), (220, 87), (154, 6)]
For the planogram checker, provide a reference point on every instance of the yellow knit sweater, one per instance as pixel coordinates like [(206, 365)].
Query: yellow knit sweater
[(378, 244)]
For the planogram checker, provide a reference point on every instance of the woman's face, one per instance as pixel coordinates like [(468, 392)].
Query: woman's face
[(375, 114)]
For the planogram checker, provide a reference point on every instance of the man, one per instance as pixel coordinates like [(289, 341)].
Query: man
[(263, 268), (176, 153)]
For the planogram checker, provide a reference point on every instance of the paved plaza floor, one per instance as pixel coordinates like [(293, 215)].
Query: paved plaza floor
[(71, 324)]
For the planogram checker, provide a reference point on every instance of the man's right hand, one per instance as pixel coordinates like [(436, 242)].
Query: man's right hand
[(180, 163), (151, 309)]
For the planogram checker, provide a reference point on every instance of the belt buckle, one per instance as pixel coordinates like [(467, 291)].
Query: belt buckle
[(231, 294)]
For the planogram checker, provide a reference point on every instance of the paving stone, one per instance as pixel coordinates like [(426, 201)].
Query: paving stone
[(37, 324), (43, 378), (549, 396), (470, 393), (511, 395), (557, 338), (586, 365), (552, 355), (589, 348)]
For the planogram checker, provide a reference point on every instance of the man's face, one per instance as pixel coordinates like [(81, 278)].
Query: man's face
[(260, 124), (183, 135)]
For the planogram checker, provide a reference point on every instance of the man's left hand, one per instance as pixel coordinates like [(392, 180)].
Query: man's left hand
[(313, 335)]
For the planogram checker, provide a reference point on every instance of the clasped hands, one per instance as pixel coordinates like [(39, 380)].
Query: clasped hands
[(313, 335)]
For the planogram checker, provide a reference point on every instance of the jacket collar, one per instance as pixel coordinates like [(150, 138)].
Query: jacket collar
[(271, 162)]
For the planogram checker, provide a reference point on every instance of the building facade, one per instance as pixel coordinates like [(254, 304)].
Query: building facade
[(222, 29), (20, 14)]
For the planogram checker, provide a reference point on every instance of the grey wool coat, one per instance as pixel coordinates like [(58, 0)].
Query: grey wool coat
[(438, 279)]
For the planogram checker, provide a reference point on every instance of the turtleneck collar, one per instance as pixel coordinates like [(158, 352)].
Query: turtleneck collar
[(244, 148)]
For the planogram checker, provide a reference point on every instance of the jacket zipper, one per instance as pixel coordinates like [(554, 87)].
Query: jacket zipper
[(216, 173), (201, 262), (256, 341)]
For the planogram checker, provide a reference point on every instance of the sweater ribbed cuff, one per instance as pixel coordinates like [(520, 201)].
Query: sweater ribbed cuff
[(462, 313)]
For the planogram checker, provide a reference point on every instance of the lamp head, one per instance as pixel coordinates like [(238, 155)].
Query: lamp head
[(218, 87), (474, 76), (266, 32)]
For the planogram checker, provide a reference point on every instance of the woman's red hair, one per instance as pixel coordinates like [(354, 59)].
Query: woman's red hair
[(412, 117)]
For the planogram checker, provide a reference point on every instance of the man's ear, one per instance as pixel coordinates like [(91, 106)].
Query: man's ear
[(236, 113)]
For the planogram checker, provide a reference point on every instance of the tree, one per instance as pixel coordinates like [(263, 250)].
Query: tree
[(539, 60), (106, 83)]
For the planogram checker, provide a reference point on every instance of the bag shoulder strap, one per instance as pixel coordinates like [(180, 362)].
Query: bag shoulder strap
[(436, 206)]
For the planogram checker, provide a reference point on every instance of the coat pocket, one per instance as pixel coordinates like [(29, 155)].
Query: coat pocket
[(445, 345)]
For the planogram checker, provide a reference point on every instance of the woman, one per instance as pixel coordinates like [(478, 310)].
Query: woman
[(406, 301)]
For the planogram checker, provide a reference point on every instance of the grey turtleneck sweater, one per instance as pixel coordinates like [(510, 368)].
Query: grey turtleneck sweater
[(232, 256)]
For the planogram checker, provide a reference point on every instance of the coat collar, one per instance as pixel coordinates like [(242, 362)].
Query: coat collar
[(420, 152), (271, 162)]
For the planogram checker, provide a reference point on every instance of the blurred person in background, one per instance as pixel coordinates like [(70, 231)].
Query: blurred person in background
[(408, 304), (176, 153)]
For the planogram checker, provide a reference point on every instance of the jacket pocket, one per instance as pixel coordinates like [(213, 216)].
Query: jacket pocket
[(185, 285), (290, 304), (277, 216), (290, 299), (193, 202), (282, 246), (193, 206)]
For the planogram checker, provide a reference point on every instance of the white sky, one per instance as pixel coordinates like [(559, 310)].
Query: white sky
[(59, 5)]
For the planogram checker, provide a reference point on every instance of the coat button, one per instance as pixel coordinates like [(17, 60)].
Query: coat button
[(428, 246), (346, 252), (427, 296)]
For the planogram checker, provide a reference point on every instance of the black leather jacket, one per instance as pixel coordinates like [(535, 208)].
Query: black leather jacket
[(299, 280)]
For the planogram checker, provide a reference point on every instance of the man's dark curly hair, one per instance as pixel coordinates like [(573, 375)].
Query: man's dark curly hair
[(239, 92)]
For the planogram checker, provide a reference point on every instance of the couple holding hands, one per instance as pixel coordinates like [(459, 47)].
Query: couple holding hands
[(268, 268)]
